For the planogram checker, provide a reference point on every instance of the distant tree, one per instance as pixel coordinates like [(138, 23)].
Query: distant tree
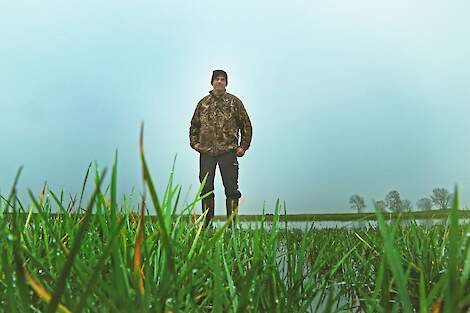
[(393, 201), (357, 203), (441, 198), (424, 204), (381, 205), (406, 205)]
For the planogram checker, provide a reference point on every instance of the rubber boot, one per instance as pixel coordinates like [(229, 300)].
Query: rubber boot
[(209, 206), (231, 205)]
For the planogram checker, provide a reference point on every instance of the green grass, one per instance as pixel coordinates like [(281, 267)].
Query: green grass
[(115, 260)]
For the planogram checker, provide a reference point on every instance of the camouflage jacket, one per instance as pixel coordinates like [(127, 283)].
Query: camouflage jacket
[(216, 124)]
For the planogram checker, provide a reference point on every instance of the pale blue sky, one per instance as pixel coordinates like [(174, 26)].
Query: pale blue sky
[(344, 96)]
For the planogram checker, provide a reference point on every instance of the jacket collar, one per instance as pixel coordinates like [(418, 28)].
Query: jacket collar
[(223, 96)]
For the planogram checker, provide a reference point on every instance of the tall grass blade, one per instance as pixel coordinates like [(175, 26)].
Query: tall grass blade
[(84, 185), (218, 289), (98, 269), (43, 293), (453, 291), (423, 307), (394, 261), (114, 190), (60, 284), (138, 273), (12, 193), (160, 216)]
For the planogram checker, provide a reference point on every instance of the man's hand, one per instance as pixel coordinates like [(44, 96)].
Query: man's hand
[(239, 152), (197, 146)]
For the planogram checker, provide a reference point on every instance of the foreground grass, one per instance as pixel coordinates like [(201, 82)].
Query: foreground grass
[(96, 258), (226, 270)]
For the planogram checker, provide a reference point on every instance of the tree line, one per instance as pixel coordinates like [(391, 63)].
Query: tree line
[(439, 199)]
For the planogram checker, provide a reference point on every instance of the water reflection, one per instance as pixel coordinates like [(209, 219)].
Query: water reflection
[(305, 225)]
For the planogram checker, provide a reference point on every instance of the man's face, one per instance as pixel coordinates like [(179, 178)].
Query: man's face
[(219, 83)]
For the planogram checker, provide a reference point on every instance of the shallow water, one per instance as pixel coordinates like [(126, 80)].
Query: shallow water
[(305, 225)]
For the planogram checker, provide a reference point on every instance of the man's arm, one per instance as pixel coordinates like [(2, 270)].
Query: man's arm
[(195, 128), (244, 124)]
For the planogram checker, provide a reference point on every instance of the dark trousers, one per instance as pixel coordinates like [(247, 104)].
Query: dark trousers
[(228, 166)]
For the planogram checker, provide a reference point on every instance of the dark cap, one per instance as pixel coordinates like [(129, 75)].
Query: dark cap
[(218, 73)]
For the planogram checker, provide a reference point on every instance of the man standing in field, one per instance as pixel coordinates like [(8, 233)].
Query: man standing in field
[(217, 121)]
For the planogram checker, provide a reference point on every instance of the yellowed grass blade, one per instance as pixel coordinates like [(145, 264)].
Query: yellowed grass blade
[(42, 292), (436, 308), (138, 274)]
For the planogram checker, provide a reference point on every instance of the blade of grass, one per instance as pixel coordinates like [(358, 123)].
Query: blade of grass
[(98, 269), (394, 262), (60, 284), (168, 259), (10, 287), (42, 292), (231, 285), (423, 307), (114, 190), (453, 291), (217, 288), (138, 274), (18, 260), (84, 185), (153, 195)]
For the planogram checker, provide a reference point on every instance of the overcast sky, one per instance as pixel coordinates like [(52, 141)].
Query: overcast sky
[(344, 96)]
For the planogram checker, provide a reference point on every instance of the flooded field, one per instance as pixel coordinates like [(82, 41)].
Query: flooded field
[(306, 225)]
